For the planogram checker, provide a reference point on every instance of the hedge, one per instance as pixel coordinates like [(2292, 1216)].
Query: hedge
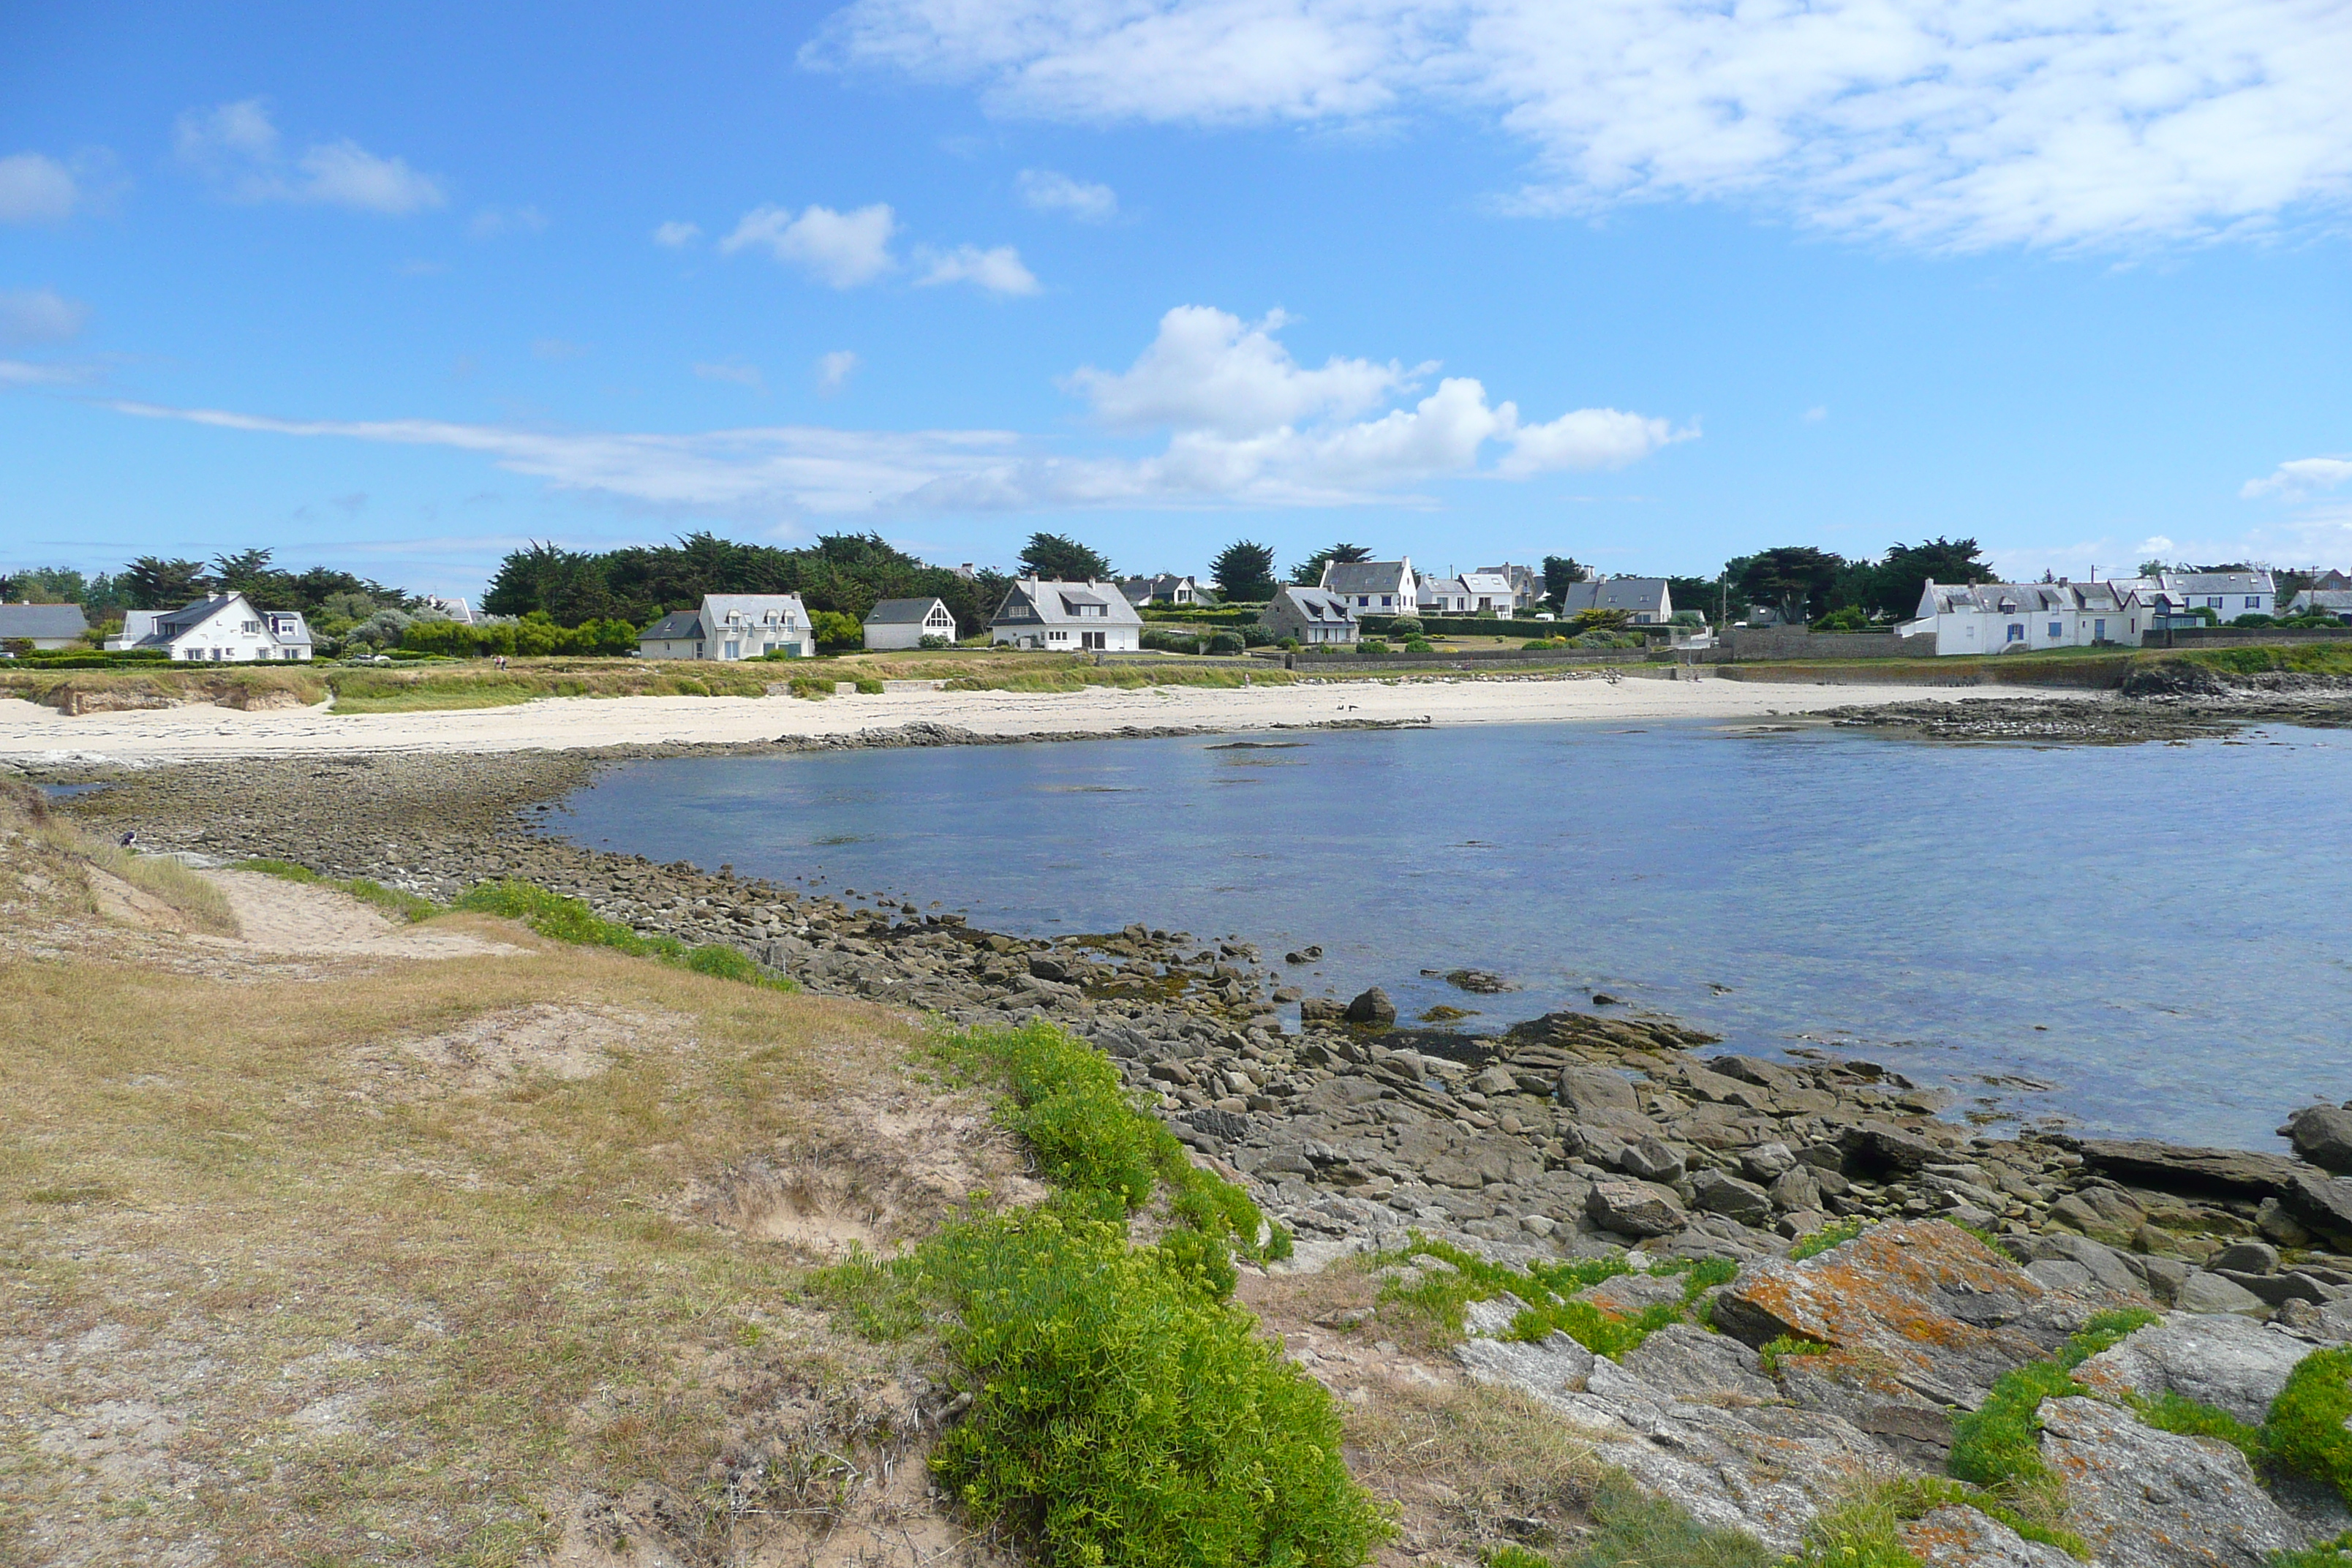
[(533, 636)]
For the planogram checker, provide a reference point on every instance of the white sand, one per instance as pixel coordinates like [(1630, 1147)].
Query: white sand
[(29, 732)]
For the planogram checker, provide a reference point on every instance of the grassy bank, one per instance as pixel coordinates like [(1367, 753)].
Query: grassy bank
[(2293, 658)]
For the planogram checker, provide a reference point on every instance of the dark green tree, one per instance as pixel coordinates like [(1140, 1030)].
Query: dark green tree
[(1560, 573), (1056, 556), (1244, 573), (1789, 577), (43, 585), (1890, 589), (156, 583), (1704, 594), (248, 572), (1308, 573)]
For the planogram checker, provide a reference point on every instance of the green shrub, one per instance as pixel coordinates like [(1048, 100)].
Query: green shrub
[(811, 688), (1405, 626), (563, 919), (2305, 1428), (1773, 1351), (1865, 1529), (1634, 1529), (1226, 642), (1442, 1295), (868, 686), (1373, 646), (2336, 1553), (1418, 645)]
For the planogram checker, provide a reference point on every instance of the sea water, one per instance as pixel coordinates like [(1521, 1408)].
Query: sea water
[(2148, 940)]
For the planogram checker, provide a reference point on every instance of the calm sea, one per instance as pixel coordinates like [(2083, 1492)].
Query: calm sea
[(2147, 940)]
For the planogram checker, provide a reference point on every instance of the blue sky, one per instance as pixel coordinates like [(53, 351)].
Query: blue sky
[(398, 288)]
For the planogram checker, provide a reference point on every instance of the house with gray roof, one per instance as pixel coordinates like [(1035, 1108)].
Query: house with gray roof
[(2336, 602), (905, 623), (1374, 587), (1526, 583), (1314, 616), (1167, 588), (1067, 617), (1645, 599), (2018, 617), (219, 628), (43, 625), (733, 626), (1442, 595)]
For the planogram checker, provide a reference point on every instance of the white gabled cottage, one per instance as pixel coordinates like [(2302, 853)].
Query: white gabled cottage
[(1374, 587), (219, 628), (1067, 617), (733, 627), (2017, 618), (905, 623)]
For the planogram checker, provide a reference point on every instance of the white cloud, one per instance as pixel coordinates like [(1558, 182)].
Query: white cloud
[(997, 270), (1244, 424), (833, 371), (2301, 477), (40, 316), (1944, 123), (677, 235), (2155, 544), (36, 189), (1049, 192), (18, 373), (491, 222), (1207, 369), (736, 370), (843, 249), (237, 146)]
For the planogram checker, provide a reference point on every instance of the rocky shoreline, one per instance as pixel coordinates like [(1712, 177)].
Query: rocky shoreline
[(1566, 1133)]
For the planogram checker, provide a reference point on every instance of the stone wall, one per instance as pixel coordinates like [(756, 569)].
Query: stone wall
[(1742, 643)]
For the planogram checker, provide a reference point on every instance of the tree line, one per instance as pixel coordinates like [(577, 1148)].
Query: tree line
[(161, 582)]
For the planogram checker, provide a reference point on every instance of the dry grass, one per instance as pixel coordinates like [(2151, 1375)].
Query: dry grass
[(1469, 1466), (278, 1285), (75, 691), (106, 871)]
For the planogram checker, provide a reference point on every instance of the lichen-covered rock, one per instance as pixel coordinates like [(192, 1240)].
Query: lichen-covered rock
[(2144, 1498), (1685, 1361), (1630, 1295), (1958, 1537), (2230, 1363), (1925, 1303)]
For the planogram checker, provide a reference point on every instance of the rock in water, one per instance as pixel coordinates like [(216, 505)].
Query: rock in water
[(1481, 982), (2324, 1137), (1372, 1007), (2138, 1496)]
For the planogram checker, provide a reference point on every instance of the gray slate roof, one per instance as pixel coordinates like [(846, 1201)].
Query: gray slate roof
[(1390, 577), (900, 612), (679, 625), (1318, 604), (42, 621), (1032, 599), (1636, 594)]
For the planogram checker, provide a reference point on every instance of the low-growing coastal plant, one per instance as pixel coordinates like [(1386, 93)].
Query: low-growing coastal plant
[(1820, 1241), (395, 901), (563, 919), (2172, 1411), (1998, 1446), (1442, 1294), (1773, 1351), (1865, 1528), (2305, 1429)]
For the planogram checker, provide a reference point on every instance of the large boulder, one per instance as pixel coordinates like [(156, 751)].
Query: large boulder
[(1955, 1536), (2323, 1135), (1924, 1304), (1878, 1148), (2144, 1498), (1593, 1094), (1732, 1198), (2204, 1292), (1372, 1007), (2230, 1363), (1635, 1208)]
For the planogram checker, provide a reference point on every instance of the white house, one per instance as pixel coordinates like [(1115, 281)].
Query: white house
[(1067, 617), (1526, 583), (2182, 598), (457, 610), (1645, 599), (1167, 588), (1311, 615), (219, 628), (43, 625), (733, 627), (1490, 592), (2016, 617), (1374, 587), (905, 623), (1442, 595)]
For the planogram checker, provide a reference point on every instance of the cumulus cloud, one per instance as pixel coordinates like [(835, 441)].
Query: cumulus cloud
[(1049, 192), (34, 188), (677, 235), (1240, 421), (40, 316), (2300, 478), (998, 271), (237, 146), (834, 369), (1944, 123), (843, 249)]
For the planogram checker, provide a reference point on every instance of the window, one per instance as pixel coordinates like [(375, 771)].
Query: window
[(2212, 601), (1093, 639), (2099, 630), (2253, 601), (2016, 631), (1385, 601), (2057, 630)]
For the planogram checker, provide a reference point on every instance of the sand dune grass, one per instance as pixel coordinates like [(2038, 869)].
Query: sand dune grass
[(277, 1287)]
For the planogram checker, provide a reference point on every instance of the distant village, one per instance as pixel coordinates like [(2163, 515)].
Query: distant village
[(1340, 601)]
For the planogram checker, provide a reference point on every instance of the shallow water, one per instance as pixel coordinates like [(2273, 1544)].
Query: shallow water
[(2145, 940)]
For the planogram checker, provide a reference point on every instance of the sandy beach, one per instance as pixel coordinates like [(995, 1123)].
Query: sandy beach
[(33, 733)]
